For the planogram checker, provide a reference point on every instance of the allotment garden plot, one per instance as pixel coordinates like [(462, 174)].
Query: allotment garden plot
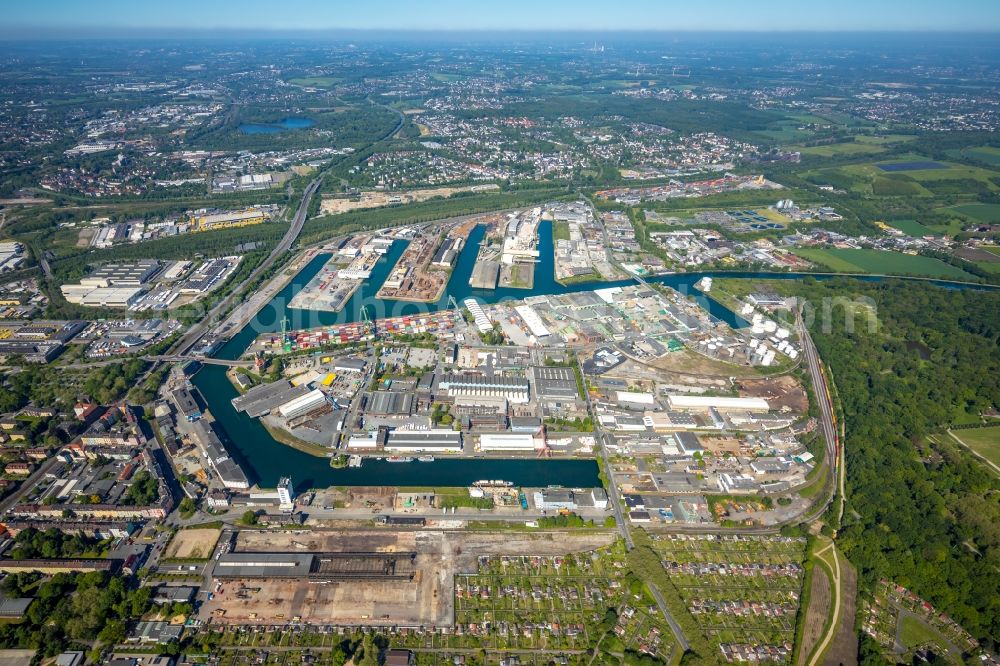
[(557, 603), (743, 590)]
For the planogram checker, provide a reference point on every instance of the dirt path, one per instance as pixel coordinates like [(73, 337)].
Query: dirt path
[(843, 650), (819, 606), (833, 561)]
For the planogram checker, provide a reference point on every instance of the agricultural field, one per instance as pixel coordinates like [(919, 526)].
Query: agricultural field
[(978, 212), (841, 149), (557, 603), (908, 175), (315, 81), (913, 228), (743, 591), (882, 262), (984, 441), (884, 139), (986, 154)]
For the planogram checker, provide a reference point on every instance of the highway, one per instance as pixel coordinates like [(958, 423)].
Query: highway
[(198, 330)]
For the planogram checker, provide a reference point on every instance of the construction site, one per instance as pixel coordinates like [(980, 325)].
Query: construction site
[(380, 198), (361, 577), (508, 254), (422, 273)]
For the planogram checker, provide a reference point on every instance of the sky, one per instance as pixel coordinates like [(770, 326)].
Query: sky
[(38, 16)]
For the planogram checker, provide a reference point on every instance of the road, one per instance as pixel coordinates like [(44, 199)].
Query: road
[(175, 358), (198, 330), (155, 359), (623, 524), (612, 483)]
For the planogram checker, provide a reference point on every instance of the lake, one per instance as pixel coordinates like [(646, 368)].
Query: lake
[(280, 126)]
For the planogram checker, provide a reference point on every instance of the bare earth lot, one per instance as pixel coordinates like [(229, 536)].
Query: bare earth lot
[(843, 650), (427, 600), (195, 544), (377, 199), (783, 391)]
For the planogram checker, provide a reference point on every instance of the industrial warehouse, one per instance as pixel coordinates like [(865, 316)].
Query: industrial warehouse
[(318, 567), (204, 220), (514, 389)]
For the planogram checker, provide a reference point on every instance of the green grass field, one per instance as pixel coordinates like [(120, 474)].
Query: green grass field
[(887, 138), (839, 149), (315, 81), (882, 262), (867, 178), (984, 441), (912, 228), (986, 154), (980, 212)]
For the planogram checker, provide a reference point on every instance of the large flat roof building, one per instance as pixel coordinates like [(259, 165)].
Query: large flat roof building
[(417, 441), (237, 218), (515, 389), (721, 403), (303, 404), (317, 566), (389, 403), (260, 400), (555, 383), (229, 472), (508, 442)]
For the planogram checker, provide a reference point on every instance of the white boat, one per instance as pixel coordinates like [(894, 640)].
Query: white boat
[(426, 458)]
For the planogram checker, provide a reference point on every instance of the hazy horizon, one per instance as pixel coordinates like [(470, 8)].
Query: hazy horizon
[(59, 17)]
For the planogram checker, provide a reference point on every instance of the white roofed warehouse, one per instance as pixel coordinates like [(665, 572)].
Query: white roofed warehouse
[(302, 405), (503, 441), (439, 440), (721, 403)]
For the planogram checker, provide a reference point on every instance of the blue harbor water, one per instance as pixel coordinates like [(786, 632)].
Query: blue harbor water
[(273, 128), (265, 460)]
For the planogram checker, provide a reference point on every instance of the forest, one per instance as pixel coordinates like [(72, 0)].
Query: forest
[(922, 513), (73, 610), (46, 385), (31, 543), (679, 115), (355, 126)]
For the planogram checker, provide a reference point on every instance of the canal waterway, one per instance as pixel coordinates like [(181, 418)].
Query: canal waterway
[(265, 460)]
